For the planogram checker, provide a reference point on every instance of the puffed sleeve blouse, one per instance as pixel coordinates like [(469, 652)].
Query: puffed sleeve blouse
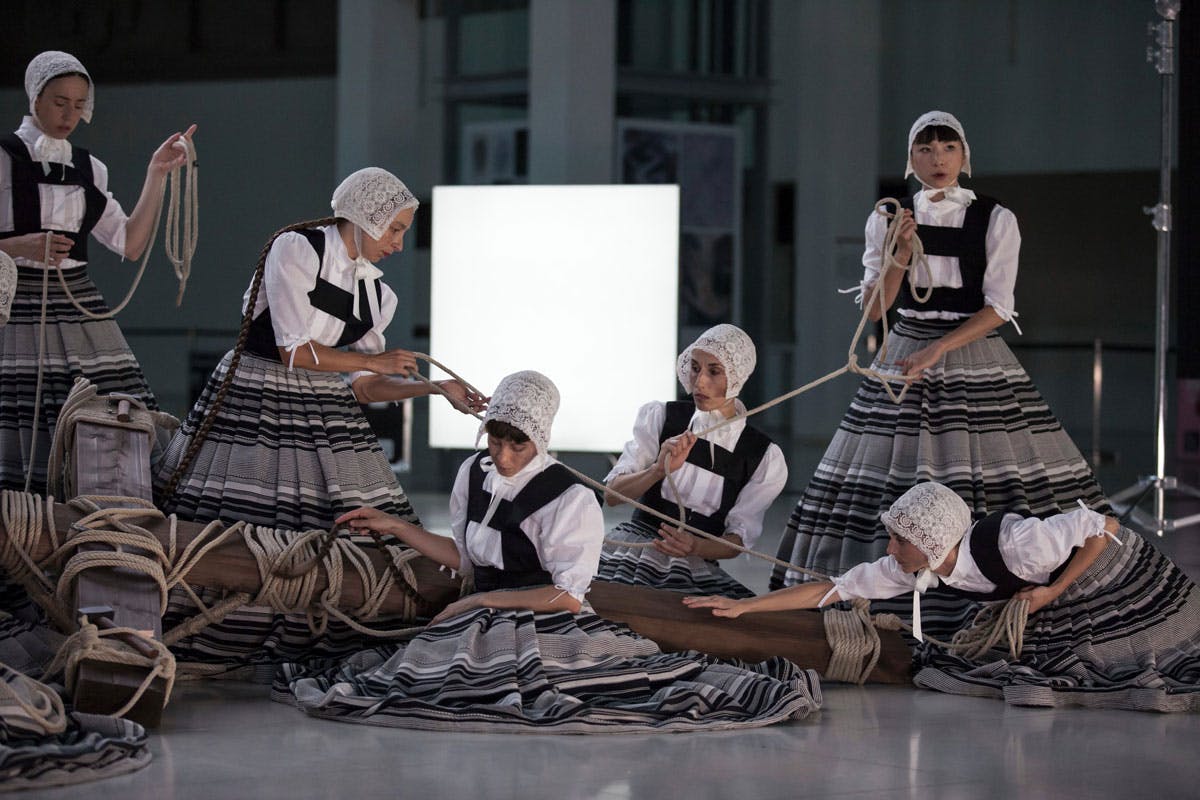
[(701, 489), (1003, 247), (63, 206), (1032, 549), (290, 274), (567, 533)]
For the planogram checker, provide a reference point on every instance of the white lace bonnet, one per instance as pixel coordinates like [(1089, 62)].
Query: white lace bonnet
[(49, 65), (731, 346), (931, 516), (929, 119), (528, 401), (371, 198), (8, 285)]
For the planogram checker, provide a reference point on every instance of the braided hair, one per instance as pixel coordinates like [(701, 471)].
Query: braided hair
[(210, 416)]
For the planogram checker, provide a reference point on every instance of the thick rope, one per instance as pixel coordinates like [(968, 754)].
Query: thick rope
[(90, 643), (29, 705), (178, 259)]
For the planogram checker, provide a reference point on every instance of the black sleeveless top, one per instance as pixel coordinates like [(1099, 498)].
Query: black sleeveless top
[(985, 549), (324, 296), (522, 567), (27, 177), (736, 466), (969, 245)]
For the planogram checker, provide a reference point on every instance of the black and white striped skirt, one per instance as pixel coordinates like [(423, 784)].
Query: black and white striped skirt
[(637, 565), (975, 423), (1125, 634), (75, 346), (289, 449), (523, 672)]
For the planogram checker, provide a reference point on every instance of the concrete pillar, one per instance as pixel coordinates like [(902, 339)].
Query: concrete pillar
[(827, 55), (572, 90)]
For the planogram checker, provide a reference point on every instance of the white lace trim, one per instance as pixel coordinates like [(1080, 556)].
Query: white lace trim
[(937, 118), (528, 401), (47, 66), (371, 198), (932, 517)]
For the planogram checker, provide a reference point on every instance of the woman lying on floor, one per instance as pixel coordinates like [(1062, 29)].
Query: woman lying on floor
[(1113, 622)]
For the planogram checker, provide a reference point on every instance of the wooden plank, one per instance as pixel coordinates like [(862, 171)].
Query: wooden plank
[(115, 460)]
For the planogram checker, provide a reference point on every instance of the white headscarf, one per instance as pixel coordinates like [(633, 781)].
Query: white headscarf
[(371, 198), (934, 519), (731, 346), (932, 118), (8, 285), (528, 401), (49, 65)]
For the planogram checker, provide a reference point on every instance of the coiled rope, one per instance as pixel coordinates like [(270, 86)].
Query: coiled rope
[(179, 252)]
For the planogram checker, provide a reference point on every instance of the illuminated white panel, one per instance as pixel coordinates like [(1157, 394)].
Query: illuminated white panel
[(577, 282)]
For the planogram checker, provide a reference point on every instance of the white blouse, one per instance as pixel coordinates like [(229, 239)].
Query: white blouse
[(1031, 548), (291, 273), (567, 532), (1003, 246), (63, 206), (702, 489)]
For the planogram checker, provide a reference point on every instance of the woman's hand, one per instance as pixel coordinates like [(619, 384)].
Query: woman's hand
[(674, 451), (675, 542), (393, 362), (372, 519), (721, 606), (32, 246), (460, 606), (1038, 597), (915, 365), (462, 398), (904, 236), (167, 157)]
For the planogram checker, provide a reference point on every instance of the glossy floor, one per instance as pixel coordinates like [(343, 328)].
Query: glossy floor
[(227, 740)]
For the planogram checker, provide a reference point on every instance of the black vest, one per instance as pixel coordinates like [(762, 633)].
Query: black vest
[(325, 296), (28, 175), (736, 467), (522, 567), (969, 245), (985, 549)]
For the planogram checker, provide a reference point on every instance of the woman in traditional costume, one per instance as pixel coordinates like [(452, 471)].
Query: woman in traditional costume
[(277, 437), (725, 480), (524, 652), (1112, 622), (53, 197)]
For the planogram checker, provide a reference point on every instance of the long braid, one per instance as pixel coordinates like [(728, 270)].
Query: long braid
[(210, 416)]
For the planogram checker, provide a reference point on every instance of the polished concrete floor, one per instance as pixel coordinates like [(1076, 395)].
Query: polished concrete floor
[(227, 740)]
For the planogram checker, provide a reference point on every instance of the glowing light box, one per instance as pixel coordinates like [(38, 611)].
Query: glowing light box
[(576, 282)]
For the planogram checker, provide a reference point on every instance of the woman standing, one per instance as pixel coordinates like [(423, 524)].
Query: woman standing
[(972, 418), (53, 196)]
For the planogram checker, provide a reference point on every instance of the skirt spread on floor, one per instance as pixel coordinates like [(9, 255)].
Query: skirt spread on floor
[(975, 423), (644, 566), (524, 672), (289, 449), (75, 346), (1125, 634), (34, 751)]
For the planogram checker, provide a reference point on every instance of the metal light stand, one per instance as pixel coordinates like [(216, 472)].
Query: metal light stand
[(1158, 484)]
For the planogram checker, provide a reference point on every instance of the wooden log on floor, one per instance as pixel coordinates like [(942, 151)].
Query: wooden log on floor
[(798, 636), (657, 614)]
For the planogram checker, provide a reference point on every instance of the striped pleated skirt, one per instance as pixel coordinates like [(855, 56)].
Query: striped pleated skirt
[(75, 346), (975, 422), (1125, 634), (523, 672), (637, 565), (290, 449)]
